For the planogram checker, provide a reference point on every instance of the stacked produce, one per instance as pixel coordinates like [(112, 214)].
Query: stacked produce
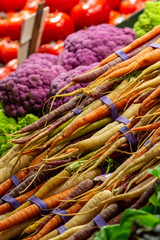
[(110, 126), (148, 19), (27, 89)]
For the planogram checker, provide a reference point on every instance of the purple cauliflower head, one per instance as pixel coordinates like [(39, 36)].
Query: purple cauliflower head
[(26, 89), (64, 79), (94, 44)]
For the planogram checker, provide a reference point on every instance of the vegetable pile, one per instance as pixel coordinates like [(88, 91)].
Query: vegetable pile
[(77, 168), (27, 89), (148, 19)]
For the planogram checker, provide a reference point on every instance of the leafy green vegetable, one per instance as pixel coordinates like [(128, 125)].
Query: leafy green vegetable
[(149, 19), (123, 230), (155, 172), (155, 198), (26, 120), (8, 126)]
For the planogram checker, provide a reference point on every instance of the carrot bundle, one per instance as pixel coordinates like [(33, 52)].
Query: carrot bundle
[(32, 211), (139, 41)]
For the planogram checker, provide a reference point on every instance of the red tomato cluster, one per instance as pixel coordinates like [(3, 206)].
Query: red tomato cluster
[(52, 48)]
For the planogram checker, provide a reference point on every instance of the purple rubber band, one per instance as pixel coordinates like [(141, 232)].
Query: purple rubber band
[(122, 54), (40, 203), (77, 111), (100, 222), (60, 211), (102, 177), (112, 108), (15, 204), (130, 137), (123, 120), (154, 45), (15, 180), (147, 142), (61, 229)]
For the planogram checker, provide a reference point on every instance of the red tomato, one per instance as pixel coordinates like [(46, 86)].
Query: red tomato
[(3, 24), (61, 5), (140, 5), (3, 27), (12, 65), (114, 4), (52, 48), (2, 42), (127, 7), (90, 12), (31, 5), (113, 16), (4, 72), (58, 26), (15, 24), (11, 5), (9, 51)]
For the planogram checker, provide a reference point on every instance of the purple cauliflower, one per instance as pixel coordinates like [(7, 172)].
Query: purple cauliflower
[(64, 79), (94, 44), (26, 89), (34, 57)]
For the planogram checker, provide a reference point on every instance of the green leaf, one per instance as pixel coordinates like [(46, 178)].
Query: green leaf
[(155, 198), (155, 172), (155, 210), (143, 218), (123, 230)]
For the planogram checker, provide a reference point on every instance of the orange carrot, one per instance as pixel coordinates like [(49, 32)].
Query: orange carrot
[(129, 61), (148, 127), (152, 96), (8, 183), (32, 211), (5, 186), (91, 117), (57, 220), (147, 175), (6, 207), (145, 60), (139, 41)]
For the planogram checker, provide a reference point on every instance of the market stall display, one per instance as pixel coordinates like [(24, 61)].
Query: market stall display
[(80, 49), (107, 133), (88, 166)]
